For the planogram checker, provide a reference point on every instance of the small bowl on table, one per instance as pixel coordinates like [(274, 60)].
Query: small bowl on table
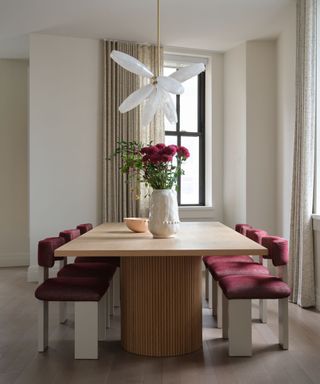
[(137, 224)]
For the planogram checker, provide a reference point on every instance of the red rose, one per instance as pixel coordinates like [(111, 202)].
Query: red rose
[(146, 158), (153, 150), (155, 158), (170, 150), (160, 146), (144, 150), (149, 150), (166, 158), (183, 152)]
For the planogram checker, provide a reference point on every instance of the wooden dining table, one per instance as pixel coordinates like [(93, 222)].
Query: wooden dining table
[(161, 280)]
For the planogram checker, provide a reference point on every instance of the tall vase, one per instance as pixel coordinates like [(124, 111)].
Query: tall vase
[(164, 215)]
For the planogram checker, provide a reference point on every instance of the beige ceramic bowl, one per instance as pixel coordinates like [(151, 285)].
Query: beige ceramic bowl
[(137, 224)]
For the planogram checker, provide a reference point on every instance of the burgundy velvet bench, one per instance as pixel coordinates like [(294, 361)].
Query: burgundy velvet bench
[(220, 266), (240, 290), (88, 294)]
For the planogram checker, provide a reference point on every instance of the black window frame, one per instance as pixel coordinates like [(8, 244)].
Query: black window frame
[(199, 133)]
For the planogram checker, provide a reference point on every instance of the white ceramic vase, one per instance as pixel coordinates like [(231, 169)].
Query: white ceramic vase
[(164, 215)]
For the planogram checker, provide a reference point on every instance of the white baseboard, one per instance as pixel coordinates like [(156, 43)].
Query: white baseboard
[(14, 259)]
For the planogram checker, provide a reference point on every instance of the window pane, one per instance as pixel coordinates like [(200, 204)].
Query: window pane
[(168, 126), (190, 180), (189, 106), (171, 140)]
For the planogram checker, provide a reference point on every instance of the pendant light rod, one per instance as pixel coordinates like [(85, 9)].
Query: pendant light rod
[(156, 94), (158, 37)]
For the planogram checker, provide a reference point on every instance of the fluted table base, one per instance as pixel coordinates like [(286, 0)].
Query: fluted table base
[(161, 309)]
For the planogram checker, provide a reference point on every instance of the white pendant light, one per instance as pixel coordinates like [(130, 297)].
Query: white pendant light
[(157, 93)]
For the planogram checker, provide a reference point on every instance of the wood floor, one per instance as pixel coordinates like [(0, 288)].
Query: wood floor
[(21, 364)]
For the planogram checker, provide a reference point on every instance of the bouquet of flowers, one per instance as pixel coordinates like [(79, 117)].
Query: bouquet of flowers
[(158, 166)]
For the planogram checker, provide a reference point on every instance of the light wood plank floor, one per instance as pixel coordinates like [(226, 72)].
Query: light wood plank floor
[(21, 364)]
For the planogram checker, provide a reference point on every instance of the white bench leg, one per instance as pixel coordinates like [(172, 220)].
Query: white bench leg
[(225, 319), (239, 332), (263, 310), (86, 330), (219, 306), (43, 307), (102, 312), (283, 323)]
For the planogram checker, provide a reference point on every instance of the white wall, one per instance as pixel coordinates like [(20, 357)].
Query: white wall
[(65, 142), (286, 56), (261, 84), (234, 182), (249, 135), (14, 245)]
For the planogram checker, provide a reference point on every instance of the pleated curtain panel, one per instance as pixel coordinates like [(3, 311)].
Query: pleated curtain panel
[(121, 199), (301, 267)]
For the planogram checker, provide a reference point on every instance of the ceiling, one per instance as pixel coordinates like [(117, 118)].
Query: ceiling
[(203, 24)]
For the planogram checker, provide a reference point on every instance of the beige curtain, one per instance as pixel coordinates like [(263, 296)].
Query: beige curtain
[(119, 197), (301, 266), (155, 131)]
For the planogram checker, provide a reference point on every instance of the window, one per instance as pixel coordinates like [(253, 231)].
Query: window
[(190, 132)]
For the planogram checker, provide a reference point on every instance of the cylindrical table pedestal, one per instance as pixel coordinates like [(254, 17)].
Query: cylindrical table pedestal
[(161, 309)]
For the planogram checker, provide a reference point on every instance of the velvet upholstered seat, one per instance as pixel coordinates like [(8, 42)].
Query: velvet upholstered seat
[(101, 270), (220, 270), (208, 260), (72, 289), (254, 287)]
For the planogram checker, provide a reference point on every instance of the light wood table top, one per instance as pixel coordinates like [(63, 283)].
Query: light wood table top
[(193, 239)]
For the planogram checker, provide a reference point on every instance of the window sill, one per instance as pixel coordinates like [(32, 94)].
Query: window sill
[(205, 213)]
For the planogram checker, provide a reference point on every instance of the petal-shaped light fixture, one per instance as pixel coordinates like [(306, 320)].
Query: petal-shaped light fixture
[(151, 107), (185, 73), (136, 98), (131, 64), (169, 109), (169, 84), (157, 93)]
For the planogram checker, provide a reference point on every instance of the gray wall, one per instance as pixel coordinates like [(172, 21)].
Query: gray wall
[(13, 163), (65, 141)]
